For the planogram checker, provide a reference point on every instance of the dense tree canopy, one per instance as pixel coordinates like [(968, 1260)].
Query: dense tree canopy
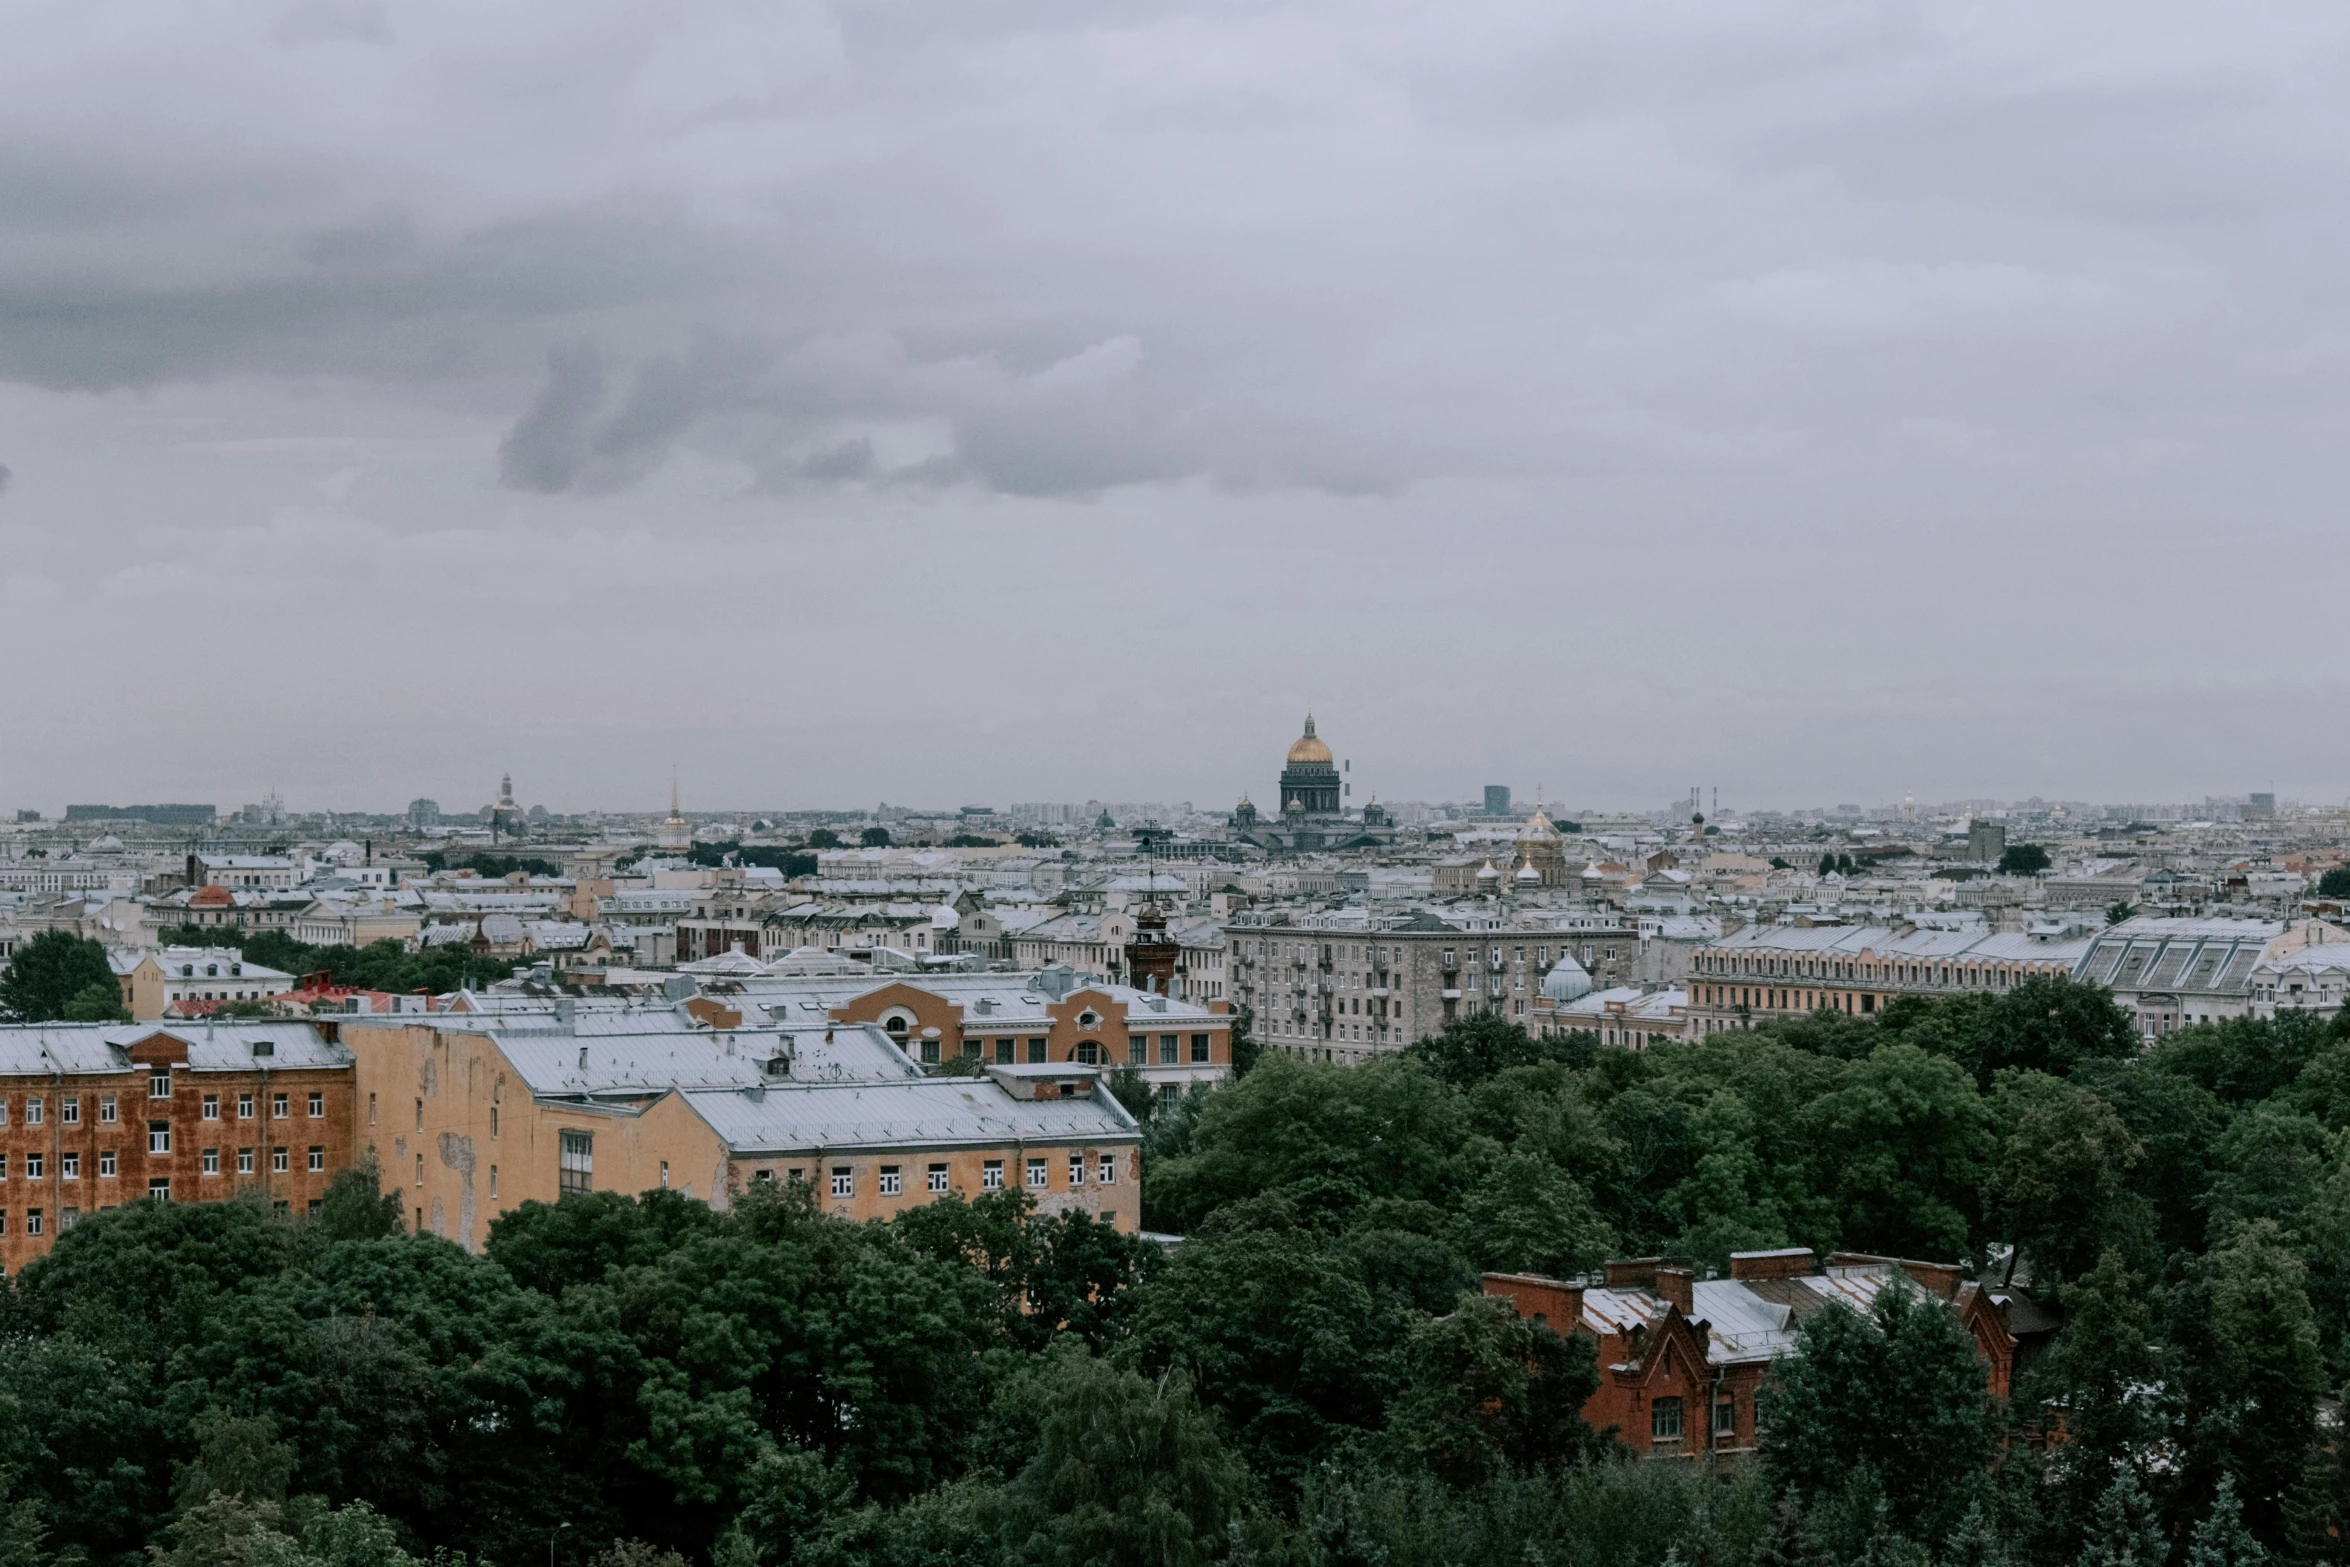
[(53, 975), (1311, 1376)]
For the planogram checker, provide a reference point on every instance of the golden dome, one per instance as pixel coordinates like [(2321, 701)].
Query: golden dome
[(1309, 749)]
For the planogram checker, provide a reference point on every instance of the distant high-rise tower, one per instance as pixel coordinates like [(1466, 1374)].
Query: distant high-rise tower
[(1497, 799), (675, 835)]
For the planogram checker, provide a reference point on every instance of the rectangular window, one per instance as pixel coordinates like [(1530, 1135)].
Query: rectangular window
[(32, 1111), (1003, 1052), (66, 1218), (1036, 1175), (211, 1107), (892, 1183), (159, 1137), (211, 1161), (3, 1110), (1138, 1050), (105, 1110), (937, 1178), (70, 1166), (1725, 1418), (70, 1111), (33, 1166), (844, 1180), (1077, 1169), (420, 1170), (159, 1082), (493, 1123), (1664, 1420), (280, 1160), (991, 1175), (244, 1161), (317, 1106), (1106, 1170), (32, 1221), (1036, 1052), (318, 1163), (159, 1188), (1167, 1055), (1199, 1047), (278, 1110), (244, 1107), (371, 1115), (105, 1163), (577, 1163)]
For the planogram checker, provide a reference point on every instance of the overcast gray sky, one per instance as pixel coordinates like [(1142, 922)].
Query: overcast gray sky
[(984, 400)]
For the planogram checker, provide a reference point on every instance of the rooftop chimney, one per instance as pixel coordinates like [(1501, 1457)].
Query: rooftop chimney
[(1789, 1262), (1679, 1286)]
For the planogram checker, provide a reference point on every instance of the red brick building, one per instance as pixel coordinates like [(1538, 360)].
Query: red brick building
[(94, 1115), (1682, 1359)]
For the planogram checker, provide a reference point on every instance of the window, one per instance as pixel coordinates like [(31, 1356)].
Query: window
[(3, 1110), (844, 1180), (1036, 1051), (1003, 1052), (105, 1163), (1199, 1047), (317, 1106), (66, 1218), (1664, 1420), (1138, 1050), (892, 1183), (159, 1137), (420, 1115), (371, 1115), (70, 1166), (32, 1112), (159, 1188), (937, 1178), (70, 1111), (420, 1171), (32, 1221), (105, 1110), (159, 1082), (1167, 1050), (244, 1161), (1725, 1418), (211, 1108), (991, 1175), (317, 1205), (280, 1160), (1077, 1169), (1036, 1175), (1089, 1051), (211, 1161), (763, 1175), (278, 1110), (576, 1163), (1106, 1170), (318, 1163), (244, 1107), (33, 1166)]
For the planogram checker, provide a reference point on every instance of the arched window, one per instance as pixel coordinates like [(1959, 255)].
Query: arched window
[(897, 1028), (1089, 1051)]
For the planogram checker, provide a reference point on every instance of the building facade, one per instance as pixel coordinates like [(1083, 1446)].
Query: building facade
[(1772, 971), (94, 1115)]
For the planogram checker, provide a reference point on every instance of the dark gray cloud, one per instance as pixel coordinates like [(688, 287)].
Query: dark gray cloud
[(1678, 356)]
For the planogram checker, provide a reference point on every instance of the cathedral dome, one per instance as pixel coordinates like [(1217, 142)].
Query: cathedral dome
[(1308, 748), (1567, 981)]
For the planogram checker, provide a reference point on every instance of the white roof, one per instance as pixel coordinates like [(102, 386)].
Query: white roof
[(926, 1113), (74, 1048)]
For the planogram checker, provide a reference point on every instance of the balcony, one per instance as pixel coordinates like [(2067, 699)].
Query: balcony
[(1450, 995)]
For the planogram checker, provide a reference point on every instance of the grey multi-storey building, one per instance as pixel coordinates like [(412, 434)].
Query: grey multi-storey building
[(1348, 986)]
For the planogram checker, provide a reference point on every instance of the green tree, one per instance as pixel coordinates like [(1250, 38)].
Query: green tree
[(1899, 1150), (2023, 859), (2061, 1187), (2108, 1380), (2125, 1532), (356, 1207), (50, 973), (2248, 1347), (1171, 1497), (1526, 1215), (2335, 883), (874, 837), (98, 1003), (1490, 1393), (2116, 912), (1898, 1395), (1278, 1332), (2221, 1540), (824, 838)]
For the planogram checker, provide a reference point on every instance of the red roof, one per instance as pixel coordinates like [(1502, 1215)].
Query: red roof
[(213, 898)]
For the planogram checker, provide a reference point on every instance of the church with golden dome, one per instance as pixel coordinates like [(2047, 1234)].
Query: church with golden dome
[(1312, 813)]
